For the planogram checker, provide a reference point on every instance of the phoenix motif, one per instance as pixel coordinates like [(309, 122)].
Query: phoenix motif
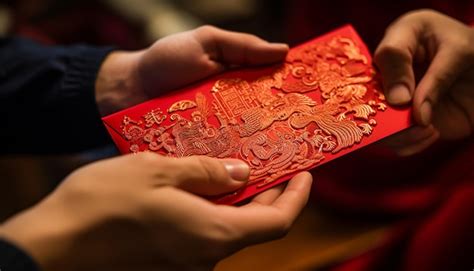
[(321, 100)]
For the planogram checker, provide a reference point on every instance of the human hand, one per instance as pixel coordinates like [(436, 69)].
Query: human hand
[(128, 78), (135, 213), (427, 59)]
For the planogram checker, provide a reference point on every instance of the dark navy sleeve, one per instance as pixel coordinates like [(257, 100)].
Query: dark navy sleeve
[(47, 100), (14, 259)]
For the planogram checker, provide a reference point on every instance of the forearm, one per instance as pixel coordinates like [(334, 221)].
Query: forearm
[(47, 97)]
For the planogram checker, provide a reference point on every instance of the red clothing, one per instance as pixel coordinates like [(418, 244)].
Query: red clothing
[(306, 19), (431, 194)]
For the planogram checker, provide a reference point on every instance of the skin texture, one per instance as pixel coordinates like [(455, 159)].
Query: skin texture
[(143, 206), (427, 60), (143, 212), (128, 78)]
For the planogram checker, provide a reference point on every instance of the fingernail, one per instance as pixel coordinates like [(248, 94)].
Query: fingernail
[(399, 94), (238, 170), (281, 45), (425, 111)]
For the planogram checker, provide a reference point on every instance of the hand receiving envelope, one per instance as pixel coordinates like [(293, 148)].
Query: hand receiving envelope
[(322, 103)]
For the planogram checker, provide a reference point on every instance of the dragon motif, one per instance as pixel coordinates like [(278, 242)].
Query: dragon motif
[(321, 100)]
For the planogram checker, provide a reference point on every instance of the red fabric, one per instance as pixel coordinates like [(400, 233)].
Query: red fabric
[(445, 241), (431, 194), (375, 181)]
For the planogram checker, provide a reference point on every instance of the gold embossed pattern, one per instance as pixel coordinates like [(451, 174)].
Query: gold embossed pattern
[(322, 100)]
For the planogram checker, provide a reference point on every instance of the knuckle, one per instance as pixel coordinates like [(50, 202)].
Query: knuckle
[(205, 166), (421, 13), (388, 52), (221, 239), (210, 168), (251, 37), (205, 33), (464, 45), (150, 162), (414, 17), (206, 29), (441, 80), (148, 157)]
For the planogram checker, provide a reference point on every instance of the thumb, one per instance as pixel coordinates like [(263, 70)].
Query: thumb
[(233, 48), (438, 79), (394, 58), (209, 176)]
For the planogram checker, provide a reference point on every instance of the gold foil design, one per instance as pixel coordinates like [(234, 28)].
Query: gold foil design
[(322, 100), (154, 117), (181, 106)]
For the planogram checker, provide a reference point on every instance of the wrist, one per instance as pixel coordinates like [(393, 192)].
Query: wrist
[(117, 85), (45, 234)]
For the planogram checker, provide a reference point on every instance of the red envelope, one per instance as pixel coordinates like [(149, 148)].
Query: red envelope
[(322, 103)]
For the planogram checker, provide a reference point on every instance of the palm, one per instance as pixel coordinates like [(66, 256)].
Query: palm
[(180, 59)]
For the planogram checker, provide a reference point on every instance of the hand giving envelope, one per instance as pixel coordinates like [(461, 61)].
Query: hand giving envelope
[(322, 103)]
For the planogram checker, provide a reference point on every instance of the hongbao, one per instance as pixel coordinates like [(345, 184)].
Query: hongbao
[(321, 100)]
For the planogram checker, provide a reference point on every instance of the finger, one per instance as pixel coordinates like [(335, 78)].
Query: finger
[(441, 74), (394, 57), (233, 48), (257, 223), (269, 196), (418, 146), (208, 176), (408, 137), (292, 200)]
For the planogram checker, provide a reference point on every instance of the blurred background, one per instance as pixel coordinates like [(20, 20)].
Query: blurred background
[(360, 219)]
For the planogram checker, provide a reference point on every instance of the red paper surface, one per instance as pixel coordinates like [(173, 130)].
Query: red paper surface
[(322, 103)]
